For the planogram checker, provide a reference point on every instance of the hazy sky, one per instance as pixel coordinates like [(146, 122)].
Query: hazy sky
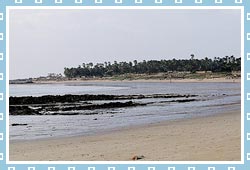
[(46, 41)]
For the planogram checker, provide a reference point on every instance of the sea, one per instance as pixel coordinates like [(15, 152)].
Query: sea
[(213, 98)]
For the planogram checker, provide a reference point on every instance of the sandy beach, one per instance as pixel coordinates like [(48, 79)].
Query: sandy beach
[(137, 84), (214, 80), (211, 138)]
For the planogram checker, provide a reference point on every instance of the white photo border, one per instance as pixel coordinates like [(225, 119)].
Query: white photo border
[(5, 164)]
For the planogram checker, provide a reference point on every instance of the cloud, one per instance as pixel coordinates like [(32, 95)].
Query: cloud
[(68, 38)]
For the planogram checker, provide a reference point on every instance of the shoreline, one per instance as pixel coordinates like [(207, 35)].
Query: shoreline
[(183, 140), (215, 80)]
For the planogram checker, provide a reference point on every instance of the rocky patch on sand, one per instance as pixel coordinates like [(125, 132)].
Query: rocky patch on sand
[(83, 104)]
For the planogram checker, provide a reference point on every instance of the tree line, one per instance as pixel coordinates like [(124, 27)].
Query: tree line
[(217, 64)]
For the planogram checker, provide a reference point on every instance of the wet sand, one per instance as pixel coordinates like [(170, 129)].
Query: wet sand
[(211, 138)]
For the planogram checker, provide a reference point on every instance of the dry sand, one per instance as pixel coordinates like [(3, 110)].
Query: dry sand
[(214, 80), (212, 138)]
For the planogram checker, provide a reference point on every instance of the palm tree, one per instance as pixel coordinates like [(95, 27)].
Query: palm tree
[(192, 56)]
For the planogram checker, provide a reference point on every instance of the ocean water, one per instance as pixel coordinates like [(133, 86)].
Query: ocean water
[(213, 98)]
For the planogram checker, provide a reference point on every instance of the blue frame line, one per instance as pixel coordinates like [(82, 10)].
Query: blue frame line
[(6, 165)]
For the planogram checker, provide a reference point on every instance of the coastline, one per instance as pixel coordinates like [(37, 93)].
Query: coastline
[(210, 138), (215, 80)]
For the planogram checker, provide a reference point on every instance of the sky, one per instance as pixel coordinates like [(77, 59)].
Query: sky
[(45, 41)]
